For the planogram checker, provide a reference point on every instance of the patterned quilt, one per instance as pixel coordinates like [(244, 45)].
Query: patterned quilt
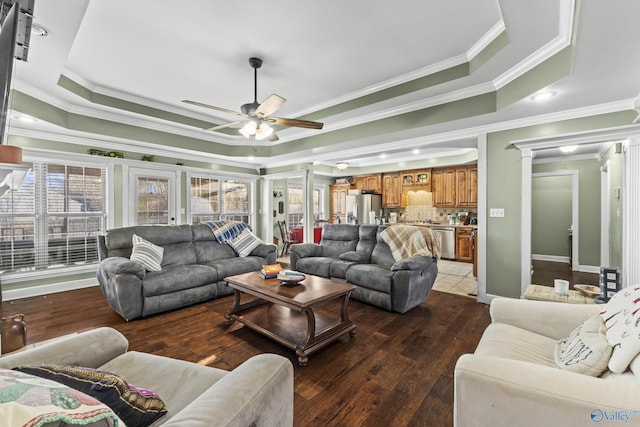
[(406, 241), (226, 230)]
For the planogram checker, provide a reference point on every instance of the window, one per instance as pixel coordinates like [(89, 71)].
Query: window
[(153, 200), (296, 203), (50, 216), (214, 199)]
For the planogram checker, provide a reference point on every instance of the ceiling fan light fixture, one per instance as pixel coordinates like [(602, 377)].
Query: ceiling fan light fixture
[(248, 129), (264, 131), (342, 165)]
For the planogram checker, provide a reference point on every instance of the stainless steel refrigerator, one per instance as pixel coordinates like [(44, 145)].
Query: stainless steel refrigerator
[(359, 206)]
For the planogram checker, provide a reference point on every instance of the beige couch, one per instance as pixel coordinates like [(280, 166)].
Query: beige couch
[(259, 392), (511, 379)]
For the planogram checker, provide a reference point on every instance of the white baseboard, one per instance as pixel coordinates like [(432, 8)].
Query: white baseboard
[(36, 291), (551, 258)]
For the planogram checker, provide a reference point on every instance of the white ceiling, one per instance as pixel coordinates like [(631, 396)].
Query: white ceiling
[(317, 55)]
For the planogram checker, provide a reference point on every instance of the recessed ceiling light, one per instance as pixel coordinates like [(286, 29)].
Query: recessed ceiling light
[(24, 118), (39, 30), (383, 156), (568, 148), (416, 151), (543, 96)]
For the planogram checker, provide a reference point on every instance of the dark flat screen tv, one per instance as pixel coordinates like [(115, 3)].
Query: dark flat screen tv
[(8, 34)]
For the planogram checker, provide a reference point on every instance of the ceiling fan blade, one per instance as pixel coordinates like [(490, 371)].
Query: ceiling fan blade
[(296, 123), (270, 105), (226, 125), (200, 104)]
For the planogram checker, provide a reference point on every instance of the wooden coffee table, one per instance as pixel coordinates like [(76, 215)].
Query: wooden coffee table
[(285, 313)]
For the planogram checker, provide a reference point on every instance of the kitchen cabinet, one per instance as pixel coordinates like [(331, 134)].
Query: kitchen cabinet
[(369, 182), (421, 177), (443, 186), (467, 186), (338, 202), (391, 190), (464, 244)]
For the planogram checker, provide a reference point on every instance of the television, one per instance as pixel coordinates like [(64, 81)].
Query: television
[(15, 29)]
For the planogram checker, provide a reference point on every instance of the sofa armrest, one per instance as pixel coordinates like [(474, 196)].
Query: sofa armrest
[(303, 250), (266, 251), (551, 319), (90, 349), (121, 265), (492, 391), (258, 393), (417, 262)]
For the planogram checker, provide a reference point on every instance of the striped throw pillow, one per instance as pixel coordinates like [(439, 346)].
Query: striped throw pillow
[(244, 243), (146, 253)]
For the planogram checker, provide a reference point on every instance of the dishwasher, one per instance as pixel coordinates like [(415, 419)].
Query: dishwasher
[(448, 234)]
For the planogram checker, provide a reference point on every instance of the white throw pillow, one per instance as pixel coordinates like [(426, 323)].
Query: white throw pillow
[(146, 253), (586, 350), (244, 243), (622, 319)]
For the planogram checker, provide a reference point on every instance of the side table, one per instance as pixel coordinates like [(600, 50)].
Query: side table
[(547, 293)]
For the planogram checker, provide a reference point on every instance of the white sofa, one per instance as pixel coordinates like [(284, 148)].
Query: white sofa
[(512, 380), (257, 393)]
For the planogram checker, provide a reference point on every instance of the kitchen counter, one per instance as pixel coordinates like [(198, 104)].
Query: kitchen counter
[(438, 224)]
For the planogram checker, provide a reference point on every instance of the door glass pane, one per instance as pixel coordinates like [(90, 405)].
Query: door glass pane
[(205, 199), (152, 200)]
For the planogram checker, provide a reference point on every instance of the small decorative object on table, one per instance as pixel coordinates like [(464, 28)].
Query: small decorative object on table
[(290, 277), (588, 290), (13, 333), (270, 271)]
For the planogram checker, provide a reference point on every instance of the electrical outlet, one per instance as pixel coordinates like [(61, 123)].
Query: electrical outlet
[(496, 212)]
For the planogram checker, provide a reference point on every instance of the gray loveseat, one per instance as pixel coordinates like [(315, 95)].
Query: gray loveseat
[(194, 266), (259, 392), (357, 254)]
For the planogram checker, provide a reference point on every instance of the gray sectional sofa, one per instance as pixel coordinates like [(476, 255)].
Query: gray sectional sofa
[(357, 254), (194, 265)]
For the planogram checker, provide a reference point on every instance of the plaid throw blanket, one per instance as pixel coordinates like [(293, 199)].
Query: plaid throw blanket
[(433, 241), (226, 230), (405, 241)]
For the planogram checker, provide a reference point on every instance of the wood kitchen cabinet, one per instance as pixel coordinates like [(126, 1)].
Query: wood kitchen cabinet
[(338, 202), (369, 182), (464, 244), (420, 177), (391, 190), (443, 186), (467, 186)]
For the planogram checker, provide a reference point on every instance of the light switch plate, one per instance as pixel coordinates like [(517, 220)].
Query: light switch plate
[(496, 212)]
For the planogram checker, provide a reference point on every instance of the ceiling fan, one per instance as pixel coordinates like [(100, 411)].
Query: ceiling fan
[(257, 119)]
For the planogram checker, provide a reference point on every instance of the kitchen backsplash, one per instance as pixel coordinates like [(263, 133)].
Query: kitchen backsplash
[(423, 213)]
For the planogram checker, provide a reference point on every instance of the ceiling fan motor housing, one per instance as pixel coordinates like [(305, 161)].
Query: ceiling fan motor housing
[(250, 108)]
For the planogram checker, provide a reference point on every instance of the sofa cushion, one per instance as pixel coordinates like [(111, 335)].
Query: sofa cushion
[(182, 253), (586, 350), (622, 319), (338, 268), (29, 400), (318, 266), (173, 279), (207, 251), (244, 243), (371, 276), (511, 342), (135, 407), (146, 253), (239, 265)]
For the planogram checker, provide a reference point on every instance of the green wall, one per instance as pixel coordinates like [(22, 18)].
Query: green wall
[(588, 206)]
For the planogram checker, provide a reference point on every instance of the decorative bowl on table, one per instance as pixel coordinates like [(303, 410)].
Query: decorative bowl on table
[(290, 279), (588, 290)]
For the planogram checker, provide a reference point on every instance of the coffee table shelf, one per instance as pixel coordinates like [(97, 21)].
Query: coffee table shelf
[(286, 313)]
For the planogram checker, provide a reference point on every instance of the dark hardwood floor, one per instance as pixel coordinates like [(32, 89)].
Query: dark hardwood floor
[(545, 271), (396, 371)]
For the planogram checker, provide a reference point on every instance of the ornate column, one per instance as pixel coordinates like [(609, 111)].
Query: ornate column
[(631, 213)]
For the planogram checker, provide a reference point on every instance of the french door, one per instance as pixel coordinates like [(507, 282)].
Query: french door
[(151, 196)]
